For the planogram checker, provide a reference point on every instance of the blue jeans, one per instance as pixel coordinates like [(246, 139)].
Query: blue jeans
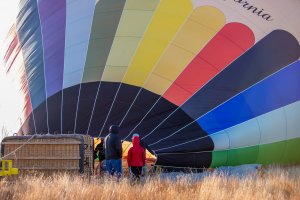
[(114, 166)]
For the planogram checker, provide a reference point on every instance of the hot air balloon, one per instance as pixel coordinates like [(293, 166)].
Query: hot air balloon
[(204, 83)]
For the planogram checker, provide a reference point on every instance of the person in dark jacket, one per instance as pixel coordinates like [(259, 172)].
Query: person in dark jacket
[(136, 158), (113, 151), (99, 153)]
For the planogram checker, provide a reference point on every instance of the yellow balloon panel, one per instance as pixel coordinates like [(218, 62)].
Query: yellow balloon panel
[(196, 32), (133, 24), (167, 20), (121, 53)]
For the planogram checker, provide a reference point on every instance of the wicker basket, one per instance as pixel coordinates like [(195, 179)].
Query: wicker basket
[(88, 154), (50, 153)]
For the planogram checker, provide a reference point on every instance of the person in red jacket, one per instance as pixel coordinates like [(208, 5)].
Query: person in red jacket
[(136, 158)]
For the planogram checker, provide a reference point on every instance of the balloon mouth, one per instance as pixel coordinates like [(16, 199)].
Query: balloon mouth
[(91, 115), (150, 158)]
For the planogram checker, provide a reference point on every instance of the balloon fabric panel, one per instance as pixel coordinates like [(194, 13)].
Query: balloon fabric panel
[(204, 83), (202, 24), (79, 18), (223, 87), (278, 131), (105, 23), (106, 19), (185, 160), (228, 44), (229, 51), (78, 28), (168, 18), (52, 15), (260, 61), (134, 21), (53, 23), (282, 89), (29, 34), (264, 154), (30, 37)]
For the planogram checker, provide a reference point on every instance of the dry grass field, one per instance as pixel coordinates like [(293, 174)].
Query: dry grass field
[(270, 183)]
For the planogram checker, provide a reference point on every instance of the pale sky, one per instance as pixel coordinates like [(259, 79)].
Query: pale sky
[(8, 12)]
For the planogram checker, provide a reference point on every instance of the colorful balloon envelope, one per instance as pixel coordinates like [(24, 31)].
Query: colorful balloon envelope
[(204, 83)]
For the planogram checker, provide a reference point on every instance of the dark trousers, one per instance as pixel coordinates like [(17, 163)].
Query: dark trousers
[(114, 166), (136, 172)]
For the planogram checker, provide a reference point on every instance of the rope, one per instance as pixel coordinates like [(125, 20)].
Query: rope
[(194, 152), (123, 80), (61, 109), (160, 123), (79, 90), (150, 74), (142, 118), (109, 109), (172, 134), (120, 84), (130, 109), (191, 168), (183, 142), (225, 149), (195, 120), (78, 98), (17, 149), (188, 18), (94, 105), (45, 77)]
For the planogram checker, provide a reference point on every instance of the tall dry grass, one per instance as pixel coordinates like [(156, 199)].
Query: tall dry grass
[(273, 183)]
